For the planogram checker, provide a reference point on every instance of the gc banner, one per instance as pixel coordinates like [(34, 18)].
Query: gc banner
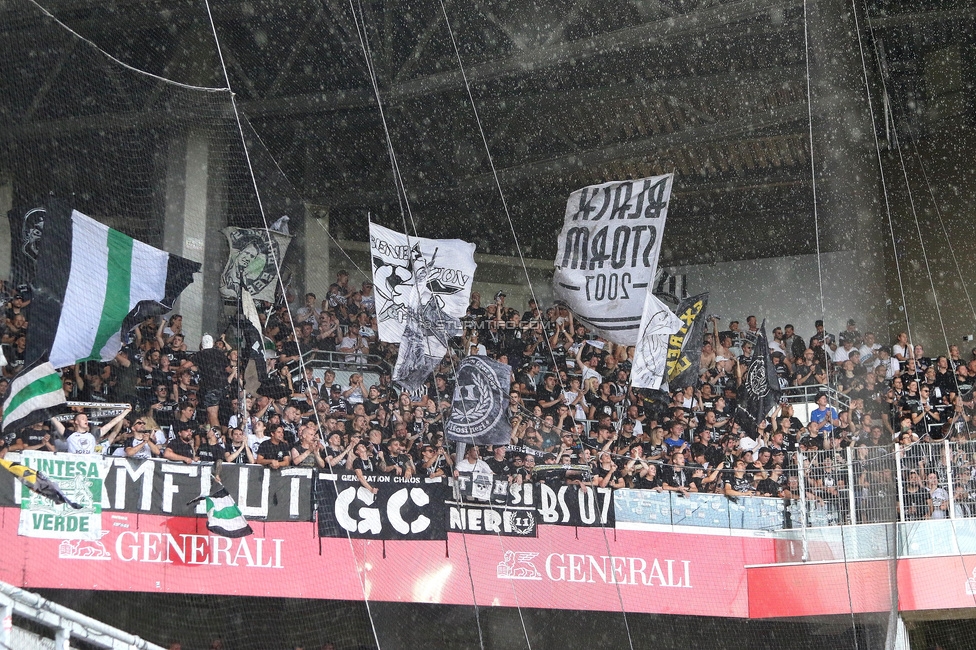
[(405, 509), (608, 252)]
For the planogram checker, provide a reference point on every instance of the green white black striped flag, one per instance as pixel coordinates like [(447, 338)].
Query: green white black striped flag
[(224, 518), (92, 283), (34, 395)]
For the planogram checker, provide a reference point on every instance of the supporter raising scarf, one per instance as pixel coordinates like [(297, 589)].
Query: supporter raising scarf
[(34, 395), (93, 283), (422, 289)]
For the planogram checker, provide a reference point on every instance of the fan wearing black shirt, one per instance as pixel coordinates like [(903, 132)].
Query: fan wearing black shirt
[(275, 452), (35, 437), (549, 396), (211, 450), (674, 477), (739, 484), (180, 449), (499, 463)]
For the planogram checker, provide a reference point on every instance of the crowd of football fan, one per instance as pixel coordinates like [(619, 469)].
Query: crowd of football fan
[(571, 405)]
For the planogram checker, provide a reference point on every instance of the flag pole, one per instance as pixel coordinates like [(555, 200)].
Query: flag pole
[(241, 363)]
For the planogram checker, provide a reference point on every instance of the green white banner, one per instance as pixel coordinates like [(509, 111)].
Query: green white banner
[(80, 477)]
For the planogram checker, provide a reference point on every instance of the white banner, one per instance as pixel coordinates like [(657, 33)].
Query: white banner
[(422, 290), (80, 477), (608, 253), (650, 357)]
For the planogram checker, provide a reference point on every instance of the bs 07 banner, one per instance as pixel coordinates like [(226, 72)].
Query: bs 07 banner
[(608, 252)]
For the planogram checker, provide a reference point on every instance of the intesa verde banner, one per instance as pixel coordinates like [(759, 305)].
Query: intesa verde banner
[(80, 477)]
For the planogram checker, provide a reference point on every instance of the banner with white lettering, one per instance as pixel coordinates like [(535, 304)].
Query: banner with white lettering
[(422, 291), (163, 488), (608, 252), (563, 505), (80, 477), (392, 508), (484, 519)]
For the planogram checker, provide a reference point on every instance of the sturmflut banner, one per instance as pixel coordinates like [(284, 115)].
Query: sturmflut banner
[(608, 252)]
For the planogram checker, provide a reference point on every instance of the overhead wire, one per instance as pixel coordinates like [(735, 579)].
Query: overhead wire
[(518, 247), (816, 226), (405, 212), (277, 266), (896, 139)]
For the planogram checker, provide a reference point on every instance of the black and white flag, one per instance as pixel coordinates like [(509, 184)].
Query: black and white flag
[(608, 252), (26, 228), (422, 290), (651, 354), (685, 345), (254, 253), (761, 383), (478, 415)]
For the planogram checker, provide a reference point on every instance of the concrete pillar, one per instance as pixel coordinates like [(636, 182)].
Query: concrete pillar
[(6, 204), (849, 199), (194, 215), (318, 274)]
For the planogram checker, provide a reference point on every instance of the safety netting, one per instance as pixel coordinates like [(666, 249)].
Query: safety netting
[(286, 344)]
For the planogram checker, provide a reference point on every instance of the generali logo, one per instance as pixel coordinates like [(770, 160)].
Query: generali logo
[(165, 548), (572, 567)]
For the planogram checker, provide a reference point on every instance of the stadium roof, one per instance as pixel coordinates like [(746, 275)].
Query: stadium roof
[(569, 94)]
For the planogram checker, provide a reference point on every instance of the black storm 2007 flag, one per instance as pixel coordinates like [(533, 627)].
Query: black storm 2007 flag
[(480, 403)]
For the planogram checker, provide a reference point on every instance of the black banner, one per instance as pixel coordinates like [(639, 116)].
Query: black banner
[(163, 488), (478, 415), (398, 509), (484, 519), (684, 348), (761, 383), (26, 227), (561, 505)]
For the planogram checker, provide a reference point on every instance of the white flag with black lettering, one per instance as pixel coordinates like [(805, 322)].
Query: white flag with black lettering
[(422, 287), (608, 253), (651, 355)]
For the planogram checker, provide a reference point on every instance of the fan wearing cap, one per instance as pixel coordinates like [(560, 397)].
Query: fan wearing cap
[(181, 449)]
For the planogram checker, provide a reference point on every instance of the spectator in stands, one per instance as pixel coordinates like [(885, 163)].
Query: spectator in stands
[(938, 497), (275, 452), (181, 448), (85, 439), (36, 437)]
